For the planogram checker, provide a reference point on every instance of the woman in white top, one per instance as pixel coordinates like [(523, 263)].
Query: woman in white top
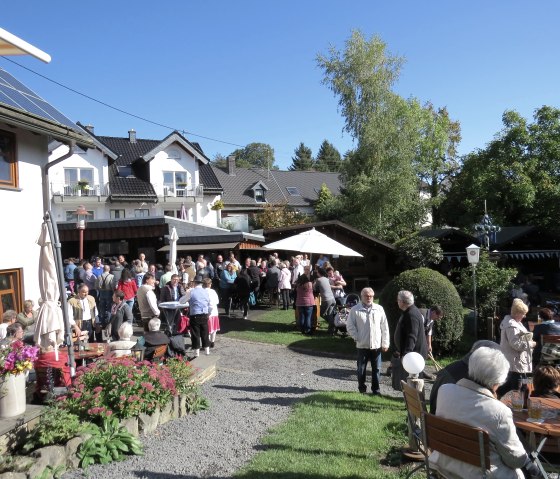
[(213, 317)]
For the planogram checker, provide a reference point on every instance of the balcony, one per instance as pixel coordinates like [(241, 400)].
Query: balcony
[(192, 193), (68, 192)]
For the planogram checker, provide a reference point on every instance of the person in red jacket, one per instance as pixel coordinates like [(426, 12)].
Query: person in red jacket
[(127, 284)]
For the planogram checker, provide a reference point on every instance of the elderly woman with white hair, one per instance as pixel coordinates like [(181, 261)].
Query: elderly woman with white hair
[(515, 345), (123, 346), (473, 402)]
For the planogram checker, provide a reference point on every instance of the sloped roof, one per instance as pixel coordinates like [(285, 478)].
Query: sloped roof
[(128, 152), (208, 178), (238, 188)]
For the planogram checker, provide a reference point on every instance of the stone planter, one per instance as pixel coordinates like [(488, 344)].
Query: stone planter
[(12, 395), (183, 405), (175, 407), (131, 425), (148, 423), (166, 413)]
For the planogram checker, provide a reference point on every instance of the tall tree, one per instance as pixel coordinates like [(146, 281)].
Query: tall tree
[(302, 159), (380, 187), (328, 158), (436, 160), (255, 155), (518, 173)]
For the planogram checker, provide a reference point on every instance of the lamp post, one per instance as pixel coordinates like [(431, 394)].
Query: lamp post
[(81, 222), (473, 255)]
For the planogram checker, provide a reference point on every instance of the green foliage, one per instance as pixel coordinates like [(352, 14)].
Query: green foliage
[(302, 159), (182, 372), (493, 284), (195, 401), (52, 472), (327, 206), (417, 251), (255, 155), (108, 443), (328, 158), (120, 387), (279, 215), (380, 193), (56, 426), (428, 287), (518, 173)]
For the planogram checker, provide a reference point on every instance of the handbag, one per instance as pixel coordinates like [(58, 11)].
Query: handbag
[(182, 324), (252, 299)]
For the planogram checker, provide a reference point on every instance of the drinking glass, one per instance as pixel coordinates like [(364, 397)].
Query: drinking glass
[(517, 401), (535, 409)]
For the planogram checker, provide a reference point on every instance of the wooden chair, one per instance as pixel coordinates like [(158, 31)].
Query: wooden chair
[(458, 441), (159, 354), (416, 407)]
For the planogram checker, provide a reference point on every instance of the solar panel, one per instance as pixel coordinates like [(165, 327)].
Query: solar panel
[(15, 94)]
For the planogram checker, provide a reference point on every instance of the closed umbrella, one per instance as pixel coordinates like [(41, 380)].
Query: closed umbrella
[(173, 248), (49, 329), (312, 241), (183, 214)]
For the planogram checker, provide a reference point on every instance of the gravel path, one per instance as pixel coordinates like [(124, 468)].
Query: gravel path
[(254, 389)]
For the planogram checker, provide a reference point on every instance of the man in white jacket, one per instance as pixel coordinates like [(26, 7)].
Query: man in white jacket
[(367, 325)]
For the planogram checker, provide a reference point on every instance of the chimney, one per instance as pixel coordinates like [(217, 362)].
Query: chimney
[(231, 165), (132, 135), (90, 128)]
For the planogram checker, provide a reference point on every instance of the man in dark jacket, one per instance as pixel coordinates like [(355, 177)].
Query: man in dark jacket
[(172, 291), (120, 312), (409, 333)]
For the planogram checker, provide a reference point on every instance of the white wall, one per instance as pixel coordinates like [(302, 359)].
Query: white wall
[(22, 212), (162, 162)]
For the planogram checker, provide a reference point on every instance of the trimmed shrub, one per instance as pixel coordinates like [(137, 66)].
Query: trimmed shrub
[(429, 287)]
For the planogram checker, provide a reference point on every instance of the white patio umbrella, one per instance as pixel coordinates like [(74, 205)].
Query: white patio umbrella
[(49, 329), (173, 249), (312, 241)]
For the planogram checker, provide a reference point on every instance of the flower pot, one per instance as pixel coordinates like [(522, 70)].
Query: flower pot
[(12, 395)]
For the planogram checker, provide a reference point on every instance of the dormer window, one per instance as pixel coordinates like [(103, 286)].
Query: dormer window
[(259, 195), (125, 171), (259, 192)]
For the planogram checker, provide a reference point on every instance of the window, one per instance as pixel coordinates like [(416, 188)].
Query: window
[(172, 213), (8, 160), (116, 214), (174, 180), (141, 213), (174, 154), (293, 191), (259, 195), (11, 289), (125, 171), (71, 215)]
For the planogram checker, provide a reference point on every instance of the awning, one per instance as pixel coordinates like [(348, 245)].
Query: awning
[(12, 45), (200, 247)]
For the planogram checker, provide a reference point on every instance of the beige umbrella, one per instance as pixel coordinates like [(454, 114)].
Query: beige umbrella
[(173, 248), (49, 329)]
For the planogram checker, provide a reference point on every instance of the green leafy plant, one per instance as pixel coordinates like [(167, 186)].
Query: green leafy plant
[(218, 205), (429, 287), (493, 284), (182, 372), (52, 472), (195, 401), (417, 251), (108, 443), (120, 387), (56, 426)]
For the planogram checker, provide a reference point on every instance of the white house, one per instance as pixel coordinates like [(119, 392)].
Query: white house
[(135, 178), (27, 123)]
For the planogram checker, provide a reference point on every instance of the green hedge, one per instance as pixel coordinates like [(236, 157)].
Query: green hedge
[(429, 287)]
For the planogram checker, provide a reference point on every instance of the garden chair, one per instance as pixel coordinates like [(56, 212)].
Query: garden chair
[(416, 407), (458, 441)]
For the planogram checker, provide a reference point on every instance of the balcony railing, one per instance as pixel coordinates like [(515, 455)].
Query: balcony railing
[(65, 189), (189, 191)]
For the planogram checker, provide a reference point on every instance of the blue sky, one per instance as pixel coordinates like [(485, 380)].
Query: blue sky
[(245, 71)]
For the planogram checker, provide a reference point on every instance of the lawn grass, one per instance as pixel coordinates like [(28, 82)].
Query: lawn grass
[(335, 435), (278, 327)]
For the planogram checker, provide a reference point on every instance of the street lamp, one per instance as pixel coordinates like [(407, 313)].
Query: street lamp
[(473, 255), (81, 221)]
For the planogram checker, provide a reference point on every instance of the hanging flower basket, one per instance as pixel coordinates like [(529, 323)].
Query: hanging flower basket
[(218, 205)]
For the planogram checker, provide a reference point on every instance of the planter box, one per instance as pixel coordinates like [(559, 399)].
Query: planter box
[(148, 423)]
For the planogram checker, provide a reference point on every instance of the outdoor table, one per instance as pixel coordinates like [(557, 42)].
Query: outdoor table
[(93, 351), (541, 432), (171, 310)]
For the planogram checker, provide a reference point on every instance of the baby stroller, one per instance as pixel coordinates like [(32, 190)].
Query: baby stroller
[(341, 315)]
